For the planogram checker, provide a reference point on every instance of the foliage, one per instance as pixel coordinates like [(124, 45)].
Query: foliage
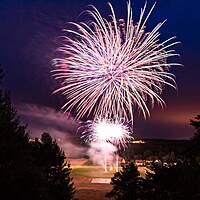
[(155, 149), (193, 152), (17, 174), (196, 138), (30, 170), (1, 74), (180, 181), (196, 124), (56, 180), (127, 184)]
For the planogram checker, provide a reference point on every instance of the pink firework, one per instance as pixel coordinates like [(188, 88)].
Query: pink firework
[(112, 68)]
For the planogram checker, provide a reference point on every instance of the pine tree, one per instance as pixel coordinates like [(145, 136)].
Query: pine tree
[(30, 170), (194, 151), (196, 124), (180, 181), (127, 184), (56, 181), (17, 178), (1, 74)]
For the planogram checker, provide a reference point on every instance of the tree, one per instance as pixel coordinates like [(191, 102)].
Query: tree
[(17, 176), (127, 184), (180, 181), (196, 124), (193, 152), (56, 183), (1, 74), (30, 170)]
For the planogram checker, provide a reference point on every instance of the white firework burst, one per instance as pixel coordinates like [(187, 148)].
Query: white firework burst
[(106, 131), (112, 68)]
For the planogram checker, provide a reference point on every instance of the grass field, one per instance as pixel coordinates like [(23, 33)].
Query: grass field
[(91, 172), (83, 175), (85, 190), (97, 172)]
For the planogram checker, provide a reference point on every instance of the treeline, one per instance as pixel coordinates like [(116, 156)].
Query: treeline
[(172, 179), (155, 149), (30, 169)]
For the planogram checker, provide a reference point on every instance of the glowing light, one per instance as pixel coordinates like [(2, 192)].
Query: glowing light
[(107, 131), (114, 67), (138, 142), (104, 135)]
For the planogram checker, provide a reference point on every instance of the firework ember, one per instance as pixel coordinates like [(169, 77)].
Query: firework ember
[(114, 67)]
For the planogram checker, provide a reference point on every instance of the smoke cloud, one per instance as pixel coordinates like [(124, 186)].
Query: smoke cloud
[(60, 126), (102, 153)]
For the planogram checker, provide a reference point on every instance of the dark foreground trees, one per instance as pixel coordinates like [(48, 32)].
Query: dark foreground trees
[(55, 182), (180, 181), (194, 151), (196, 124), (16, 172), (30, 170), (127, 184)]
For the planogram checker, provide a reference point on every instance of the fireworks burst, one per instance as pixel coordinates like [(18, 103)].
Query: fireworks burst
[(113, 68), (107, 131)]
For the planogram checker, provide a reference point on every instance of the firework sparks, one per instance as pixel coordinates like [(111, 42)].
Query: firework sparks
[(105, 135), (114, 68), (107, 131)]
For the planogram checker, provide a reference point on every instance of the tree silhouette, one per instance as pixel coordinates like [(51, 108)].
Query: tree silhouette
[(56, 180), (30, 170), (193, 152), (17, 175), (1, 74), (180, 181), (127, 184), (196, 124)]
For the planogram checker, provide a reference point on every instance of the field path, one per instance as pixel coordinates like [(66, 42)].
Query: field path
[(85, 190)]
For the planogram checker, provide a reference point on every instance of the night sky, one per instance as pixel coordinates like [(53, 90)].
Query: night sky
[(29, 35)]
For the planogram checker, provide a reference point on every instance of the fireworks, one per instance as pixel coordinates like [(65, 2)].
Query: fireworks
[(103, 135), (107, 131), (112, 68)]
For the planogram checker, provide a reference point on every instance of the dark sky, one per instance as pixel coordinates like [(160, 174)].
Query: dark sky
[(29, 36)]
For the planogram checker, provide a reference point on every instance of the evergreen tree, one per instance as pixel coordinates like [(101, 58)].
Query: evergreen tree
[(193, 152), (196, 124), (127, 184), (30, 170), (56, 182), (17, 178), (1, 74), (180, 181)]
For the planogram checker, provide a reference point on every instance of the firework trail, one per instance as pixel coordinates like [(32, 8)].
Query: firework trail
[(113, 68)]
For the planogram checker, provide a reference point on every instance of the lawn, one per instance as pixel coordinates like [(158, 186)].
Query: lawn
[(85, 190), (91, 172), (98, 172), (83, 175)]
